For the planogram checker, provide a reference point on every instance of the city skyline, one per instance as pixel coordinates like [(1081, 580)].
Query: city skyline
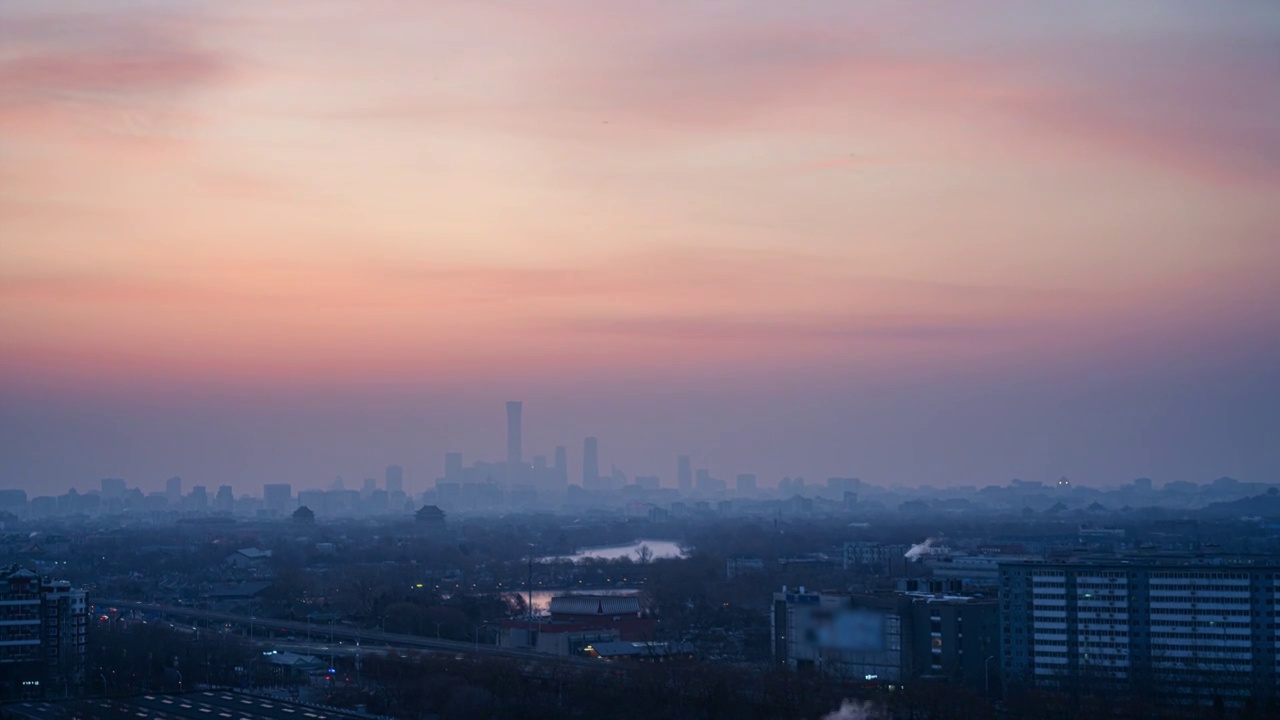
[(512, 471), (912, 243)]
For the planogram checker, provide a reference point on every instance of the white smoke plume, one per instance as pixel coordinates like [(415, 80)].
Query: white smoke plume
[(854, 710), (920, 549)]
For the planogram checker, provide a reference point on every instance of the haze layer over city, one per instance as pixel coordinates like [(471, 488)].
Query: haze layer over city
[(915, 244)]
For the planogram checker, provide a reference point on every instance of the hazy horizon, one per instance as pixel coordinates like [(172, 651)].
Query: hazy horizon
[(915, 244)]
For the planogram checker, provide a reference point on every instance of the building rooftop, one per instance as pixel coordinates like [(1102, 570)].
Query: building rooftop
[(1148, 559), (16, 572), (595, 605)]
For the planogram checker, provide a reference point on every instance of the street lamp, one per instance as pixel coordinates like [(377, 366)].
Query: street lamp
[(986, 673)]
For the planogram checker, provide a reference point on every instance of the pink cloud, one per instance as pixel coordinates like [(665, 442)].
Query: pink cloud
[(126, 74), (1200, 102)]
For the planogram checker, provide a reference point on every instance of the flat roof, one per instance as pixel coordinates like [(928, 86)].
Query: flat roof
[(198, 705), (1155, 560)]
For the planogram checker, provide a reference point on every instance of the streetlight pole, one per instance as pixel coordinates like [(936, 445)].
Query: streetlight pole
[(986, 673)]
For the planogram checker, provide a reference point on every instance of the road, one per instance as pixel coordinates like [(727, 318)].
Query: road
[(374, 639)]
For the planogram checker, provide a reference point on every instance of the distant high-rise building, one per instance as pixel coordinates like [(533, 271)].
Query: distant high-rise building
[(515, 452), (746, 483), (225, 500), (453, 467), (369, 485), (173, 490), (199, 498), (395, 479), (277, 498), (590, 464), (841, 485), (705, 483), (562, 464), (113, 487), (684, 472)]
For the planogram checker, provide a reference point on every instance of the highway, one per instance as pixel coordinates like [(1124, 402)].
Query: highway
[(334, 632)]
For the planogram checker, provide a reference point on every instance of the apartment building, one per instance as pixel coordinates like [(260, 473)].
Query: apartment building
[(64, 628), (43, 633), (20, 666), (1185, 627)]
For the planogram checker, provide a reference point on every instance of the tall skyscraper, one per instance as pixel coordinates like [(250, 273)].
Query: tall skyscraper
[(590, 464), (199, 498), (685, 473), (395, 479), (514, 450), (562, 464), (746, 482)]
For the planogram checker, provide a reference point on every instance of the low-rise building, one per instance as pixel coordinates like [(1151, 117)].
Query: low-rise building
[(577, 622)]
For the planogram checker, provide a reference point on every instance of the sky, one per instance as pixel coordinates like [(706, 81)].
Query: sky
[(915, 242)]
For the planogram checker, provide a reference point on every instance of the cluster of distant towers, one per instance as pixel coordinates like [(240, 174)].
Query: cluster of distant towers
[(539, 473)]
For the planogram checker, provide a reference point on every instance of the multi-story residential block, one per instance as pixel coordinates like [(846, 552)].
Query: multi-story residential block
[(1200, 629), (43, 633), (65, 625), (20, 634)]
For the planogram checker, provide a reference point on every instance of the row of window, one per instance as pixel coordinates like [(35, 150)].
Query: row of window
[(1156, 612), (1157, 576), (1209, 639), (1199, 623), (1199, 587)]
